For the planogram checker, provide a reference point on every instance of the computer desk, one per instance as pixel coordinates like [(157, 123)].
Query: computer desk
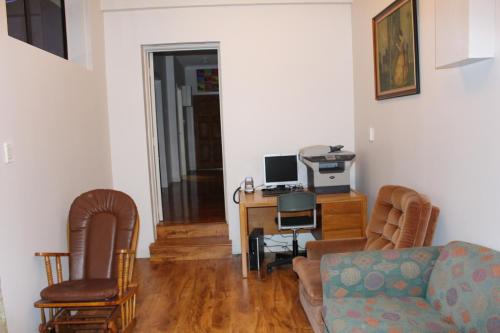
[(340, 216)]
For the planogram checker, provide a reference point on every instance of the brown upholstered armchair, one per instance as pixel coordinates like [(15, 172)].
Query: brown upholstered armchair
[(103, 230), (400, 218)]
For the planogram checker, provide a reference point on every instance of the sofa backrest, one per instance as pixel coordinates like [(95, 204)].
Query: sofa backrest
[(399, 219), (465, 287)]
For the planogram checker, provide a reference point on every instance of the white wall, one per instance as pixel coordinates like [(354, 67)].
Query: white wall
[(54, 113), (441, 142), (286, 77)]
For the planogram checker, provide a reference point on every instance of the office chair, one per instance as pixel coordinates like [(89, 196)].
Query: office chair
[(295, 202)]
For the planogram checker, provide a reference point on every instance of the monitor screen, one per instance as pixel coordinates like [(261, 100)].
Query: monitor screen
[(280, 170)]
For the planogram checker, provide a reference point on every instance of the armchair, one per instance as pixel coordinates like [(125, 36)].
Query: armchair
[(400, 218), (99, 294)]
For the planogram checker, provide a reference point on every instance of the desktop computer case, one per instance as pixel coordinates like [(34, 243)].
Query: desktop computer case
[(256, 249)]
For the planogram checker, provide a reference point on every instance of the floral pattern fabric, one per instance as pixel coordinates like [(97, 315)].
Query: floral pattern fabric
[(393, 273), (455, 288), (384, 314), (465, 287)]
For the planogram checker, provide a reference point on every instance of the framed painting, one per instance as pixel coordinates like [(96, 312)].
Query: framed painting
[(395, 46), (207, 80)]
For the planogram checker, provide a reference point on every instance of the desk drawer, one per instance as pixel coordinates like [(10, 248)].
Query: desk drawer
[(343, 234), (342, 207), (342, 221)]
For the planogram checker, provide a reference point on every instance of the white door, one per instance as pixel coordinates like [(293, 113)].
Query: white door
[(154, 165), (182, 139)]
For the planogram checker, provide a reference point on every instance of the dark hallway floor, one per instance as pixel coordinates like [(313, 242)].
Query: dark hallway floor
[(196, 199)]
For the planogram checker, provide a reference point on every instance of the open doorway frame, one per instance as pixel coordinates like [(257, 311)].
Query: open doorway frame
[(151, 121)]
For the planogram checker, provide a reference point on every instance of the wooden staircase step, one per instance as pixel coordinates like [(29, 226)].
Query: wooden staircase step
[(197, 241), (191, 249), (191, 230)]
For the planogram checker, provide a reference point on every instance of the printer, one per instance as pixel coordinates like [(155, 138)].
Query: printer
[(328, 168)]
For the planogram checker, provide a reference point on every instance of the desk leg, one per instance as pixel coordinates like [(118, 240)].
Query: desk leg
[(244, 240)]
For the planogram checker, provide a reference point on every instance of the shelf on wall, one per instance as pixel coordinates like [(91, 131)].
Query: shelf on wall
[(465, 32)]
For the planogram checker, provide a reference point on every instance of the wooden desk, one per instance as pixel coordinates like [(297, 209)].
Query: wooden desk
[(340, 216)]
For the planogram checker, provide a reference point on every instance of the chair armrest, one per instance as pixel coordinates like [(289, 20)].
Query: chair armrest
[(51, 254), (126, 260), (395, 273), (48, 265), (316, 249)]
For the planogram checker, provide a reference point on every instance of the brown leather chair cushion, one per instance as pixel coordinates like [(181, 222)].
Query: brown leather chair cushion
[(100, 223), (81, 291)]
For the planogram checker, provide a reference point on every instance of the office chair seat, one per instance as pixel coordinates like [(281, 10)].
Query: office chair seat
[(296, 222)]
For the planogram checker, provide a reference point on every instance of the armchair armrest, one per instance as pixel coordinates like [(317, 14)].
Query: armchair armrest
[(51, 254), (316, 249), (48, 265), (126, 260), (395, 273)]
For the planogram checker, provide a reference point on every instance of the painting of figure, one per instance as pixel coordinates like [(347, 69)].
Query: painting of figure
[(395, 41)]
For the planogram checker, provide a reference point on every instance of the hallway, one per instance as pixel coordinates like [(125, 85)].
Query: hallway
[(198, 198)]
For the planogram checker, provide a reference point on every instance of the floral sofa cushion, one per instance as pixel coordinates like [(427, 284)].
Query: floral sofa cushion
[(396, 273), (465, 287), (384, 314), (455, 288)]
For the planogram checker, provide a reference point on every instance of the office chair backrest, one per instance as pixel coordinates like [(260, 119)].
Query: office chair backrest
[(296, 202), (100, 223)]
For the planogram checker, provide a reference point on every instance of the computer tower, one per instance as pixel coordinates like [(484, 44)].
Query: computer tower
[(256, 248)]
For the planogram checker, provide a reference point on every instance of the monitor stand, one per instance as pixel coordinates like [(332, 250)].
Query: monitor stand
[(281, 187)]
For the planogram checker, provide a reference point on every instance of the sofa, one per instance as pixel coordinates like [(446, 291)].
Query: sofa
[(400, 218), (455, 288)]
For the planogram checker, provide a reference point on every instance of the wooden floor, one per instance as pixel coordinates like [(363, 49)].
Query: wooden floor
[(198, 198), (211, 296)]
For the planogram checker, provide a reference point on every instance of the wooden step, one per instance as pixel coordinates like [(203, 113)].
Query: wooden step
[(191, 248), (191, 230)]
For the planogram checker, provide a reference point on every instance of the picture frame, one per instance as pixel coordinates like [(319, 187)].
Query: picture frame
[(207, 80), (395, 50)]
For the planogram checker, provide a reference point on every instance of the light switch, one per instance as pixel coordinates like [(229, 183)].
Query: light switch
[(372, 134), (7, 153)]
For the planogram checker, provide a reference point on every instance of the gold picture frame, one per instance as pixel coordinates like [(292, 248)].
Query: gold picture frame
[(395, 47)]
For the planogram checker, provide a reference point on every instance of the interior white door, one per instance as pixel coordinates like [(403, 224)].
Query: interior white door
[(181, 133), (154, 165), (160, 123)]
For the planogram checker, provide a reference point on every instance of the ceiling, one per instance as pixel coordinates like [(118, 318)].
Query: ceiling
[(197, 59)]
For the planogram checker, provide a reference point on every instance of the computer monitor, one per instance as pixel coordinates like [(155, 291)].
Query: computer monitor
[(280, 169)]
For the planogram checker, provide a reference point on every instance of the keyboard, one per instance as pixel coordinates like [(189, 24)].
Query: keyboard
[(271, 192)]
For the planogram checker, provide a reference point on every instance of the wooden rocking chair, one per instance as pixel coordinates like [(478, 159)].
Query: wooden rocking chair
[(99, 295)]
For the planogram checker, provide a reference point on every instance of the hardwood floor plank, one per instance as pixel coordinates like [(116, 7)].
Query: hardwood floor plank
[(210, 296)]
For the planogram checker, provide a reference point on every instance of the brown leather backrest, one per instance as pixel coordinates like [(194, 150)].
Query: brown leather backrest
[(100, 223), (399, 219)]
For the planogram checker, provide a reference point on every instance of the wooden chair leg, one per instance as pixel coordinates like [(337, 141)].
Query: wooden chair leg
[(112, 327)]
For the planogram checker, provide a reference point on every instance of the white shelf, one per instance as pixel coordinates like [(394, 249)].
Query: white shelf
[(465, 32)]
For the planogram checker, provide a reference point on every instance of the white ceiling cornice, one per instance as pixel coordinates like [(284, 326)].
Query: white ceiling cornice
[(121, 5)]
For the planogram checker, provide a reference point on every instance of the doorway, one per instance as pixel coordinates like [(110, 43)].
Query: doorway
[(186, 155)]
